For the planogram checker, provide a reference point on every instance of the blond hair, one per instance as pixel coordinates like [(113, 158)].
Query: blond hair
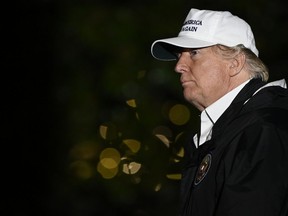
[(253, 64)]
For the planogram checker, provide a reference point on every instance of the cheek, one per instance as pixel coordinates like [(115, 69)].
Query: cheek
[(208, 75), (214, 70), (212, 79)]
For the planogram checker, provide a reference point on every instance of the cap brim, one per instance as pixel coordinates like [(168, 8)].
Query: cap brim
[(165, 49)]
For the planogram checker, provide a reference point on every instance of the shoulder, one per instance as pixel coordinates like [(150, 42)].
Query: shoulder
[(259, 132), (269, 106), (269, 97), (262, 143)]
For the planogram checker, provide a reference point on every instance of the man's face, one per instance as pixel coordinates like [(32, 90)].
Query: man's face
[(204, 76)]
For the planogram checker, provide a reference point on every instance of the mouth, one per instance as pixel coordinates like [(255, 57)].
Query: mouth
[(186, 82)]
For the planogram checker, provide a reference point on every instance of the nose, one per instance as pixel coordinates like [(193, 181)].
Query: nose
[(180, 67)]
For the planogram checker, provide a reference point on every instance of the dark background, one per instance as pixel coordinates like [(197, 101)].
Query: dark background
[(72, 66)]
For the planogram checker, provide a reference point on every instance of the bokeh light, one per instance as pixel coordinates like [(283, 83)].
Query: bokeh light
[(174, 176), (131, 168), (164, 134), (108, 131), (158, 187), (108, 164), (132, 144), (131, 103), (107, 173), (179, 114), (110, 157)]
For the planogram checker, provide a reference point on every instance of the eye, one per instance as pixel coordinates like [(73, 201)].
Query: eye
[(177, 54), (193, 52)]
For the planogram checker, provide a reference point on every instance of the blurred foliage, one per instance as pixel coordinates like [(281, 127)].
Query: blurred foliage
[(105, 122)]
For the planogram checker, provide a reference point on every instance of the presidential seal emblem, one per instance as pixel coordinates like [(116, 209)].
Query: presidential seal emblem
[(203, 169)]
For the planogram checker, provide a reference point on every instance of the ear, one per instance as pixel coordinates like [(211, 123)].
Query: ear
[(237, 64)]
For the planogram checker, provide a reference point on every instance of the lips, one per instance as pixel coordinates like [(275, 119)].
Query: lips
[(185, 82)]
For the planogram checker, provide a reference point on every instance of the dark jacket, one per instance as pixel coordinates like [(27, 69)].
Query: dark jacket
[(243, 169)]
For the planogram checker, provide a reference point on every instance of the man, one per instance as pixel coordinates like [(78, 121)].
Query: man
[(238, 163)]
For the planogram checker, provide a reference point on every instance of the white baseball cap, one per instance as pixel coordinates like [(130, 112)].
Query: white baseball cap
[(203, 28)]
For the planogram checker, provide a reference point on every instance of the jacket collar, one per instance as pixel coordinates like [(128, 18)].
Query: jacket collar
[(237, 104)]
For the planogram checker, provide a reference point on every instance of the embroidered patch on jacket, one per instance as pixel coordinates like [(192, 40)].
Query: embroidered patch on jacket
[(203, 169)]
